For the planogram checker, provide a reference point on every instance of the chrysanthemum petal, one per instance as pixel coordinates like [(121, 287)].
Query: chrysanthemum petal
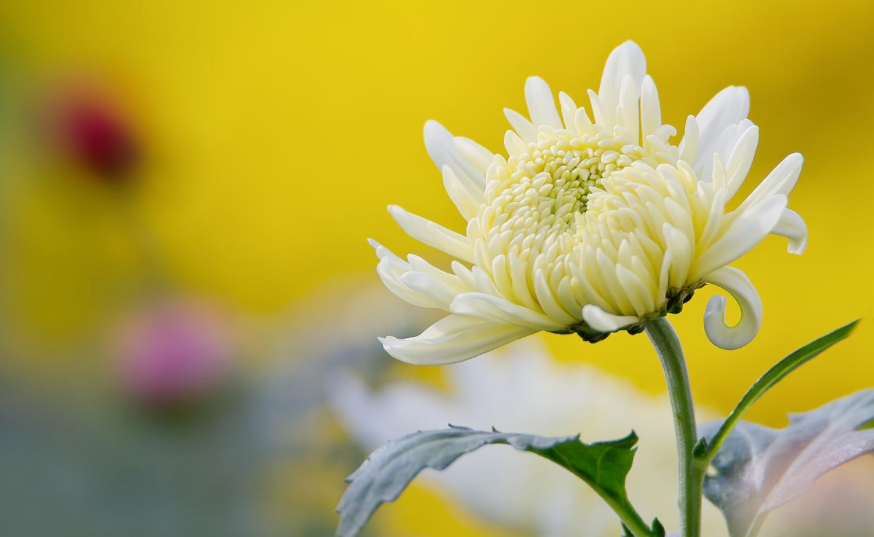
[(723, 144), (419, 264), (602, 118), (626, 60), (602, 321), (476, 154), (514, 145), (637, 290), (498, 310), (728, 107), (628, 111), (792, 226), (432, 234), (391, 270), (738, 286), (681, 250), (781, 180), (541, 104), (427, 285), (523, 127), (650, 108), (441, 148), (689, 144), (547, 300), (582, 121), (740, 161), (466, 203), (745, 232), (453, 339)]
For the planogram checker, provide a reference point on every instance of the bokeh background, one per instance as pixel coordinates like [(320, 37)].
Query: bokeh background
[(185, 194)]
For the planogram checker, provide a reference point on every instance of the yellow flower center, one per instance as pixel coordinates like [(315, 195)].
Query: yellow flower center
[(541, 192)]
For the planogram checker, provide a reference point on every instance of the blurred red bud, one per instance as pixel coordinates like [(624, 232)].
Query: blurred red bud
[(91, 131)]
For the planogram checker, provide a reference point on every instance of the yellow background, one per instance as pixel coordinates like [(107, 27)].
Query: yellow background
[(280, 131)]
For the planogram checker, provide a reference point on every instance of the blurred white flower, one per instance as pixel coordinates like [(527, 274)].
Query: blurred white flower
[(841, 505), (592, 227), (522, 389)]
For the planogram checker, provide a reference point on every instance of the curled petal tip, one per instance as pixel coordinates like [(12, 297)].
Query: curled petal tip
[(716, 305), (792, 226), (715, 326), (717, 329)]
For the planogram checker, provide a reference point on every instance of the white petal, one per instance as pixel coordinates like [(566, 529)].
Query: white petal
[(514, 145), (476, 154), (626, 60), (740, 161), (541, 104), (745, 232), (602, 321), (432, 234), (382, 251), (582, 121), (739, 286), (547, 300), (689, 143), (524, 128), (453, 339), (680, 248), (491, 308), (628, 111), (792, 226), (602, 119), (391, 270), (441, 148), (781, 180), (429, 286), (639, 293), (714, 216), (452, 280), (466, 203), (650, 108), (568, 111), (723, 144), (728, 107)]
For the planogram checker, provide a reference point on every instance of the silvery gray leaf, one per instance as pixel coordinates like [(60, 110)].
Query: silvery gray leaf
[(759, 469), (389, 470)]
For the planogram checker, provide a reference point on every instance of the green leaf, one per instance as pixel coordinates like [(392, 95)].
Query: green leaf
[(388, 471), (773, 376), (760, 469)]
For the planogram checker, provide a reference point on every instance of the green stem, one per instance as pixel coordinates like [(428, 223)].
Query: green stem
[(631, 519), (670, 352)]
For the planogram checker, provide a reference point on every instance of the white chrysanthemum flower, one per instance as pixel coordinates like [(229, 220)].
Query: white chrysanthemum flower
[(592, 227)]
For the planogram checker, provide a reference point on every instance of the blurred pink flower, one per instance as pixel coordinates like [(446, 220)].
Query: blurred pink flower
[(173, 352)]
